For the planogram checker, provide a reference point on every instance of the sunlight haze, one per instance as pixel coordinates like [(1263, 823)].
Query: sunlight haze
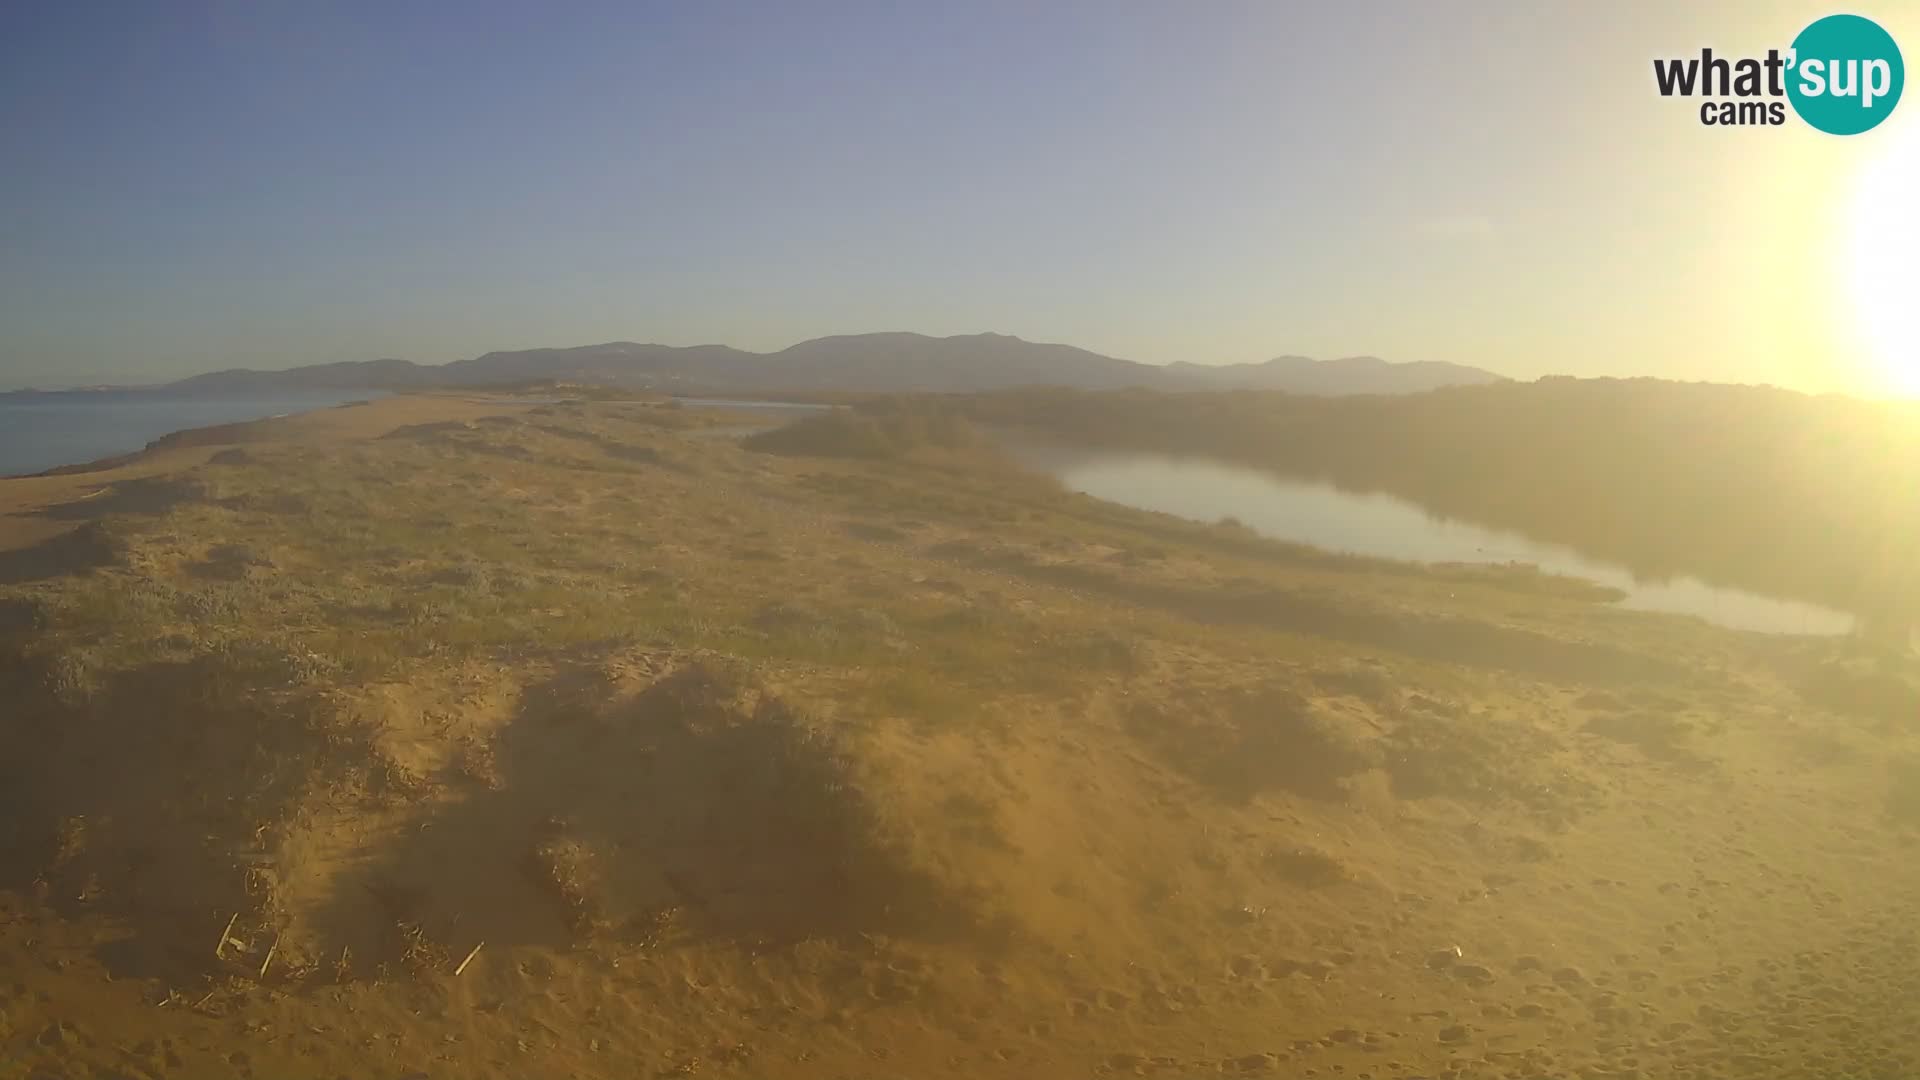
[(1086, 539), (207, 185)]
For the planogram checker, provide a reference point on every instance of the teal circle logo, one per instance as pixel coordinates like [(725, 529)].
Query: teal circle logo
[(1846, 74)]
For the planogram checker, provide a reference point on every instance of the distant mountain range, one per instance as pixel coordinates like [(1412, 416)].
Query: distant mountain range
[(889, 362)]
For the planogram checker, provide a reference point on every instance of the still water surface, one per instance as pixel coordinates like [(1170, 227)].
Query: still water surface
[(1319, 514), (41, 431)]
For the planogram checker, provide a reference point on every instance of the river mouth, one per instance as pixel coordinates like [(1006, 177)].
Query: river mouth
[(1385, 526)]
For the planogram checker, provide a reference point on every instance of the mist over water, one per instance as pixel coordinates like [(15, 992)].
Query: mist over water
[(1384, 526)]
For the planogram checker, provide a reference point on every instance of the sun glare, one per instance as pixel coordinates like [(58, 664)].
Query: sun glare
[(1883, 260)]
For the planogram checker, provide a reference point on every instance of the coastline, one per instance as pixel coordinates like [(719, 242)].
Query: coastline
[(26, 498), (240, 431), (231, 431), (91, 430), (291, 424), (372, 417)]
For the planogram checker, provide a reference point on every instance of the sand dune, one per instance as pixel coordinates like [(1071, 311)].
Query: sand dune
[(454, 737)]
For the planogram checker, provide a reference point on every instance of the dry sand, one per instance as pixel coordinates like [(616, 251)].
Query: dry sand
[(735, 764)]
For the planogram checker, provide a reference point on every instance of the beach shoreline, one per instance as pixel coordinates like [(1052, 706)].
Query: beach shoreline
[(24, 497)]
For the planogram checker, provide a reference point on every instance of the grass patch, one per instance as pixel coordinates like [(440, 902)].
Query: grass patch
[(880, 430)]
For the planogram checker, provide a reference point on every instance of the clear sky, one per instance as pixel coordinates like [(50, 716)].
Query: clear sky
[(190, 185)]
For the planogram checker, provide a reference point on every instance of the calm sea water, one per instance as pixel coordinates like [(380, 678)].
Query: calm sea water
[(1388, 527), (41, 431)]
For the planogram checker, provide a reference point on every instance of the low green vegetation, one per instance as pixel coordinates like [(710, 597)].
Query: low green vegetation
[(884, 429)]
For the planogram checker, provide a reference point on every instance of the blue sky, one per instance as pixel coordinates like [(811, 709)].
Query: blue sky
[(197, 185)]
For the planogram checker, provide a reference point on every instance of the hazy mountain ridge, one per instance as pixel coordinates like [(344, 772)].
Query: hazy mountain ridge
[(883, 362), (873, 362), (385, 374)]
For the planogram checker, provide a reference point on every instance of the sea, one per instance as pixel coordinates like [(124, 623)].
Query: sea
[(45, 430)]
